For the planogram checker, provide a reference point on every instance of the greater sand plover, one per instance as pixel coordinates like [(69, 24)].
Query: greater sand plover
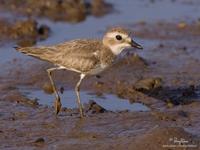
[(84, 56)]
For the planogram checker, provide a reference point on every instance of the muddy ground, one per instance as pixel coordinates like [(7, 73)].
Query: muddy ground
[(165, 77), (73, 11), (24, 32)]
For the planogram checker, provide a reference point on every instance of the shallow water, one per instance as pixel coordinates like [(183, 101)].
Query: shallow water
[(127, 12), (108, 101)]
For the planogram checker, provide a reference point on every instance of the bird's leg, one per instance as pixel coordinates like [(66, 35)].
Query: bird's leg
[(57, 103), (77, 89)]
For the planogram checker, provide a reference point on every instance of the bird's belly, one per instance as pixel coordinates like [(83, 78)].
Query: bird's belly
[(96, 70)]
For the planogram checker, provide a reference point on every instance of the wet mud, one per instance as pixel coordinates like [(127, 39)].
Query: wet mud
[(165, 78), (25, 32), (72, 11)]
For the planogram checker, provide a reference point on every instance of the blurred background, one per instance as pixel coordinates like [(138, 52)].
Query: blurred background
[(157, 88)]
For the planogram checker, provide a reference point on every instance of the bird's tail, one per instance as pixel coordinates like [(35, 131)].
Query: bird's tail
[(32, 51), (38, 52)]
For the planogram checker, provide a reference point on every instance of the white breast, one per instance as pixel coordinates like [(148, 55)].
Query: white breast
[(98, 69)]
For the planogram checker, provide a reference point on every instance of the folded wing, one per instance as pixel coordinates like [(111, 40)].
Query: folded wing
[(80, 55)]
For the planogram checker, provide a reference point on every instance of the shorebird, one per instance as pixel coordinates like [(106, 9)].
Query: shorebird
[(84, 56)]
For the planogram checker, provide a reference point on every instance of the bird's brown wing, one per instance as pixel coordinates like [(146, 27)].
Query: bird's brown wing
[(80, 55)]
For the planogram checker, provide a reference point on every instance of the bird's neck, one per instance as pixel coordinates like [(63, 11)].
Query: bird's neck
[(116, 49), (107, 56)]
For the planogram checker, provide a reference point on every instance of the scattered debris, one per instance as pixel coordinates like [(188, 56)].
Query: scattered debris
[(94, 108), (39, 140), (148, 84)]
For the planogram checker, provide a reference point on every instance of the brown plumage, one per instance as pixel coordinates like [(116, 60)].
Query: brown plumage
[(80, 55), (120, 30), (85, 56)]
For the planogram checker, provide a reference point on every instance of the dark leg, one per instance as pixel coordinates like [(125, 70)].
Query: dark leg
[(77, 89), (57, 103)]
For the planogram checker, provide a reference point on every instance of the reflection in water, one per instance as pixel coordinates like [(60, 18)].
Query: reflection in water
[(108, 101)]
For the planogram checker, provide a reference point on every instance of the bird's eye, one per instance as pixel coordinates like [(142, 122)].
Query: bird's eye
[(119, 37)]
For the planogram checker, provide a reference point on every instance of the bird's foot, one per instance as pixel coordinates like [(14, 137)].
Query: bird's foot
[(82, 115), (57, 105)]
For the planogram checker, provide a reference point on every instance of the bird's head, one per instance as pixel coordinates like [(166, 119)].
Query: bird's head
[(118, 39)]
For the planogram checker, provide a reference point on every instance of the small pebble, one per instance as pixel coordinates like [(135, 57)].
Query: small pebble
[(39, 140)]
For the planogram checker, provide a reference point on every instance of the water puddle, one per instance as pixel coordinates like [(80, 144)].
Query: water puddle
[(108, 101)]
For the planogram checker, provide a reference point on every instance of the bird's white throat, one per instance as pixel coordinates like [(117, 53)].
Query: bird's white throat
[(118, 48)]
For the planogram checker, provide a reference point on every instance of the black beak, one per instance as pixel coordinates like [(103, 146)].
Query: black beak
[(136, 45)]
